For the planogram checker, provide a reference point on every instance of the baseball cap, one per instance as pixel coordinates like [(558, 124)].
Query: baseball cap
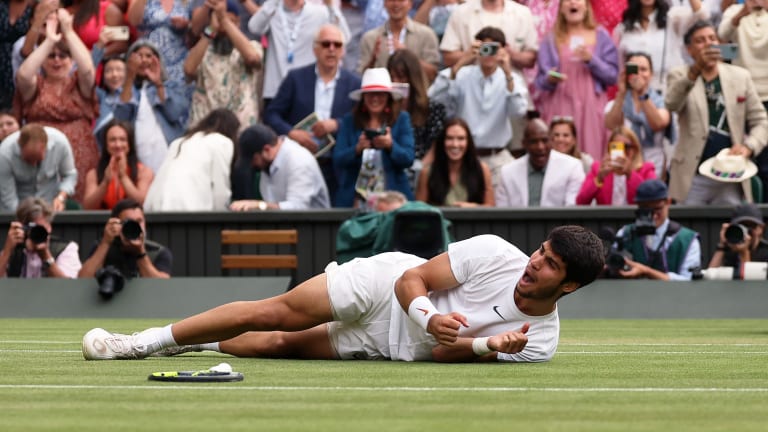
[(747, 213), (651, 190), (253, 139)]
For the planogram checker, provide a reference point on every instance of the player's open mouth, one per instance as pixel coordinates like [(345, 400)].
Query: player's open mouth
[(527, 278)]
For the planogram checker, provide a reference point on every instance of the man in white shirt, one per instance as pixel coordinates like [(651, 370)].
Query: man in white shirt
[(290, 176), (483, 300)]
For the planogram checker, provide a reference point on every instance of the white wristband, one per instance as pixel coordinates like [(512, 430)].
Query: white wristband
[(480, 346), (421, 310)]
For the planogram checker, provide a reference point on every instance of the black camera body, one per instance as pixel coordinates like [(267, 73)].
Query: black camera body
[(617, 257), (373, 133), (37, 234), (131, 229), (111, 281)]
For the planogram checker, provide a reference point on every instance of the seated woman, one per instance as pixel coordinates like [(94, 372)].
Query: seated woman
[(456, 177), (375, 142), (119, 174), (563, 138), (614, 180), (195, 175)]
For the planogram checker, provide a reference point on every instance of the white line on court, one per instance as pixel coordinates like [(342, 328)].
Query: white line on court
[(559, 352), (396, 389), (38, 342), (661, 344)]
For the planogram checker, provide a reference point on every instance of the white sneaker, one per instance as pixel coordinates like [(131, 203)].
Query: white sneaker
[(99, 344)]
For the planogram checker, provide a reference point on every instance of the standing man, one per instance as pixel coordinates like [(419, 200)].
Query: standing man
[(543, 177), (125, 247), (36, 161), (224, 64), (397, 33), (322, 88), (290, 177), (717, 104), (290, 26), (483, 300), (482, 89)]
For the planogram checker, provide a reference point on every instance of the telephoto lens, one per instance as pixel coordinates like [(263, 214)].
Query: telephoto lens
[(735, 234), (131, 229)]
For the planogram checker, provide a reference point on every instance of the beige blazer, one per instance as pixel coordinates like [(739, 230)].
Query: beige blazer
[(687, 98)]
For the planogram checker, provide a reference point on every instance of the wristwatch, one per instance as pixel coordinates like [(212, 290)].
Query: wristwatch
[(209, 32), (48, 263), (644, 97)]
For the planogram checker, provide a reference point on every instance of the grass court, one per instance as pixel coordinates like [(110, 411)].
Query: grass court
[(608, 375)]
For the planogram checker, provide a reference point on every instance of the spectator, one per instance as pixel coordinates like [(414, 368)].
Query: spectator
[(290, 177), (56, 97), (608, 13), (224, 65), (614, 180), (670, 252), (388, 201), (8, 124), (290, 26), (125, 246), (656, 28), (89, 19), (108, 92), (486, 94), (513, 19), (400, 32), (545, 13), (375, 142), (563, 138), (577, 62), (541, 178), (718, 98), (119, 174), (153, 102), (435, 14), (456, 177), (32, 150), (166, 31), (31, 251), (642, 108), (746, 220), (196, 171), (15, 21), (24, 46), (321, 88), (427, 116)]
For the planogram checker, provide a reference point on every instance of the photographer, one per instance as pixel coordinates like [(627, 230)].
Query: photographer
[(31, 252), (125, 248), (741, 240), (654, 246)]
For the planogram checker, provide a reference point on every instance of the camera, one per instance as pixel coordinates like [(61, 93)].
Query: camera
[(616, 259), (131, 229), (488, 49), (736, 234), (37, 234), (373, 133), (110, 280)]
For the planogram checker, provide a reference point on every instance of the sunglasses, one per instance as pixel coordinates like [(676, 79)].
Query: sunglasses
[(327, 44), (60, 55)]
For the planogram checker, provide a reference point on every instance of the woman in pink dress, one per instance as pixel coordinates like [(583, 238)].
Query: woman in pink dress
[(57, 97), (91, 16), (577, 62)]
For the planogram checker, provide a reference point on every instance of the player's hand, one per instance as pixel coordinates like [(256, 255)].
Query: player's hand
[(445, 328), (510, 342)]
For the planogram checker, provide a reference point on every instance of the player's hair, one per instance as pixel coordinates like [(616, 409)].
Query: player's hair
[(581, 250)]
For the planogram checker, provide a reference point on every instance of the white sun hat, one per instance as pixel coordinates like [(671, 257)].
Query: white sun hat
[(376, 80), (728, 168)]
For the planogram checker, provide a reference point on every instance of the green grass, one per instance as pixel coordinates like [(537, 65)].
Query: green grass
[(609, 375)]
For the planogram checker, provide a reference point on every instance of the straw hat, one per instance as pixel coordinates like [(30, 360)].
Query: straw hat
[(376, 80), (728, 168)]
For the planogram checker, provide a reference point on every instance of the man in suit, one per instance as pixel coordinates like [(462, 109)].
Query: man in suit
[(322, 88), (716, 104), (543, 177)]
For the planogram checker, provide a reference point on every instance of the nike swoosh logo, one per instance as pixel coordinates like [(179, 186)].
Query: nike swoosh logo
[(424, 310), (496, 309)]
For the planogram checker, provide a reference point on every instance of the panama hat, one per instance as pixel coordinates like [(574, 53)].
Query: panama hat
[(376, 80), (728, 168)]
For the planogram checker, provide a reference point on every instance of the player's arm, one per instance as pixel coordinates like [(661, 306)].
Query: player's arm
[(411, 290), (482, 349)]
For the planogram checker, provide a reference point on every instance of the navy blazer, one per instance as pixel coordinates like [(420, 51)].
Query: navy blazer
[(295, 99)]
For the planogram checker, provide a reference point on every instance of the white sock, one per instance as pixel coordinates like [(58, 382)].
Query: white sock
[(213, 346), (165, 337), (156, 339)]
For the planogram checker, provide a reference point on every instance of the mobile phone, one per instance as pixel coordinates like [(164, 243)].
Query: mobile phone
[(119, 33), (631, 69), (616, 149), (576, 41), (488, 49), (728, 51), (556, 74)]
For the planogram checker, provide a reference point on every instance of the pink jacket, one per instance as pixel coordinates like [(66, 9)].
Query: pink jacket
[(602, 195)]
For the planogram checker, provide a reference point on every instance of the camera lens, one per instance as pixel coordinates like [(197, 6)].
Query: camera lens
[(37, 234), (131, 229), (735, 233)]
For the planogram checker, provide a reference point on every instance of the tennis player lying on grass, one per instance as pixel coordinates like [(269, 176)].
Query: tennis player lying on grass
[(482, 300)]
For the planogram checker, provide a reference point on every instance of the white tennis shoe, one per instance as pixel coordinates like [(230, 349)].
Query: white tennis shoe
[(99, 344)]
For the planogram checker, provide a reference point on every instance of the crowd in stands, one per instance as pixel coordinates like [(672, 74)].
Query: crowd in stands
[(248, 105)]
